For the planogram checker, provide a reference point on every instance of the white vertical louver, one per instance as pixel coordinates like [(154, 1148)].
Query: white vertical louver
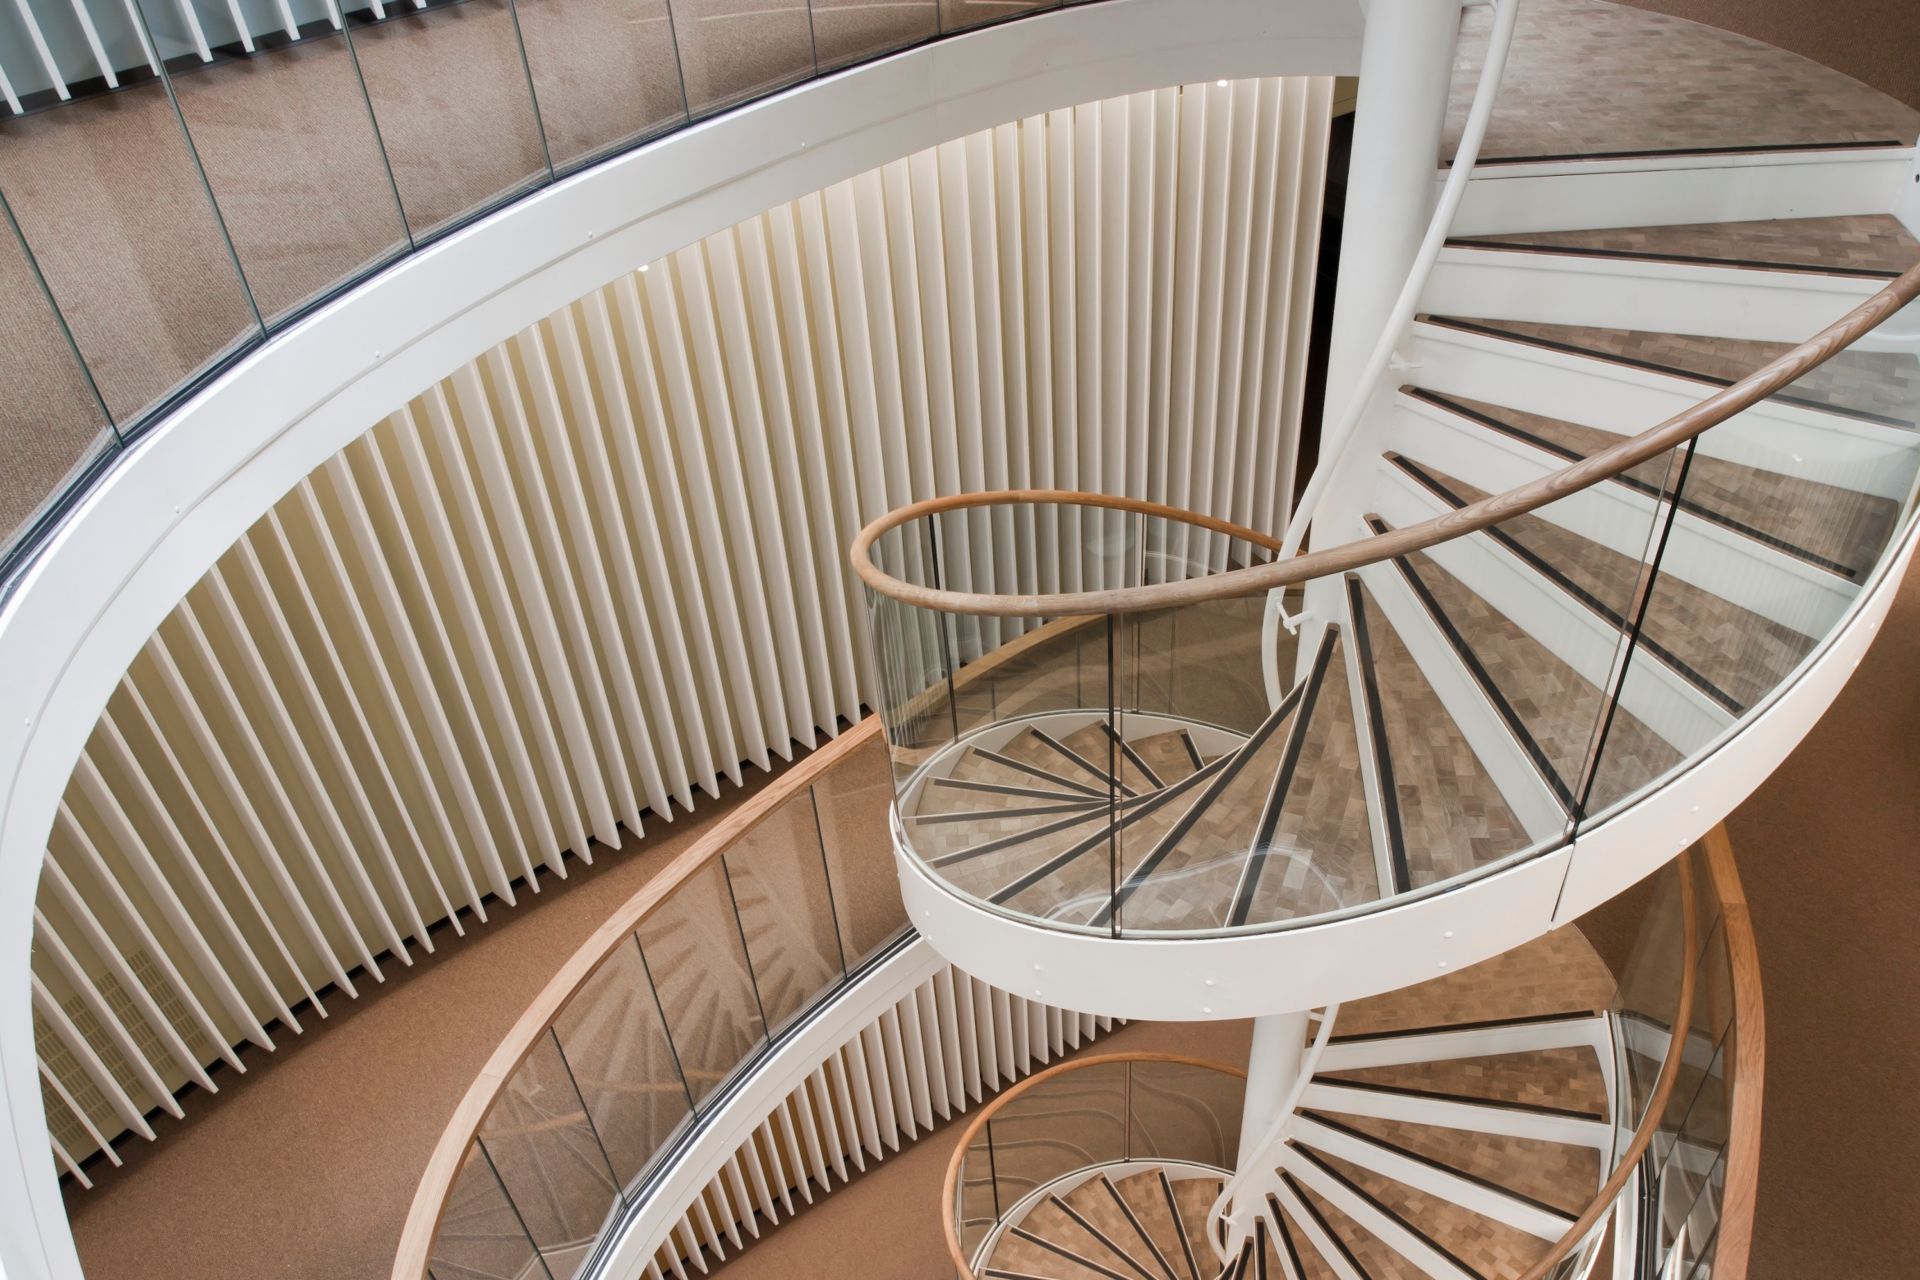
[(603, 565)]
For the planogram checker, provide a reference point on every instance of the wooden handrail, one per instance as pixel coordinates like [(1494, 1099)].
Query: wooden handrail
[(443, 1166), (1472, 518), (951, 1183), (1740, 1186)]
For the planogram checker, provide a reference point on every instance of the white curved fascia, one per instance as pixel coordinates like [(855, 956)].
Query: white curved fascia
[(1253, 974), (1244, 975), (182, 495)]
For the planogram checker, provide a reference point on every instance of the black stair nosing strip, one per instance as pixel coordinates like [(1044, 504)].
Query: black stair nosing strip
[(1139, 1229), (1377, 729), (1101, 1236), (1082, 761), (1481, 676), (1436, 1095), (999, 1273), (1390, 1214), (1540, 565), (1258, 1247), (1126, 749), (1320, 1220), (1656, 153), (1065, 1252), (1283, 777), (1234, 761), (1019, 837), (1441, 1165), (1491, 329), (1675, 259), (1133, 810), (976, 815), (1193, 749), (1630, 481), (1035, 771), (1481, 1024), (1007, 789), (1179, 1223)]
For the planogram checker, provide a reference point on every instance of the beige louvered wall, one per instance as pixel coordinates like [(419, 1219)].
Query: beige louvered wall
[(603, 566)]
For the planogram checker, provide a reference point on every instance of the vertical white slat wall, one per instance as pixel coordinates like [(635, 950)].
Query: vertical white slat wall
[(64, 46), (603, 567), (928, 1057)]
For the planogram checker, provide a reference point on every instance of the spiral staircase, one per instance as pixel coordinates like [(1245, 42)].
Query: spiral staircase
[(1530, 627), (1624, 489)]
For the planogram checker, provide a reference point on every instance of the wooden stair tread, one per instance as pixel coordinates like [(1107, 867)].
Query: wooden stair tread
[(1855, 242)]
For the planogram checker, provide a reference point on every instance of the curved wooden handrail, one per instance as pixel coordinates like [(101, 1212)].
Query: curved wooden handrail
[(443, 1166), (1472, 518), (951, 1182), (1741, 1185)]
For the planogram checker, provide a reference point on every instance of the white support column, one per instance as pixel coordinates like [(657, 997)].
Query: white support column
[(1406, 67), (1273, 1064)]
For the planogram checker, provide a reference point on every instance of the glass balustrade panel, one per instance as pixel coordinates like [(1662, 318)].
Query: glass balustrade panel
[(850, 803), (287, 139), (605, 73), (975, 1209), (734, 50), (1068, 1122), (698, 963), (141, 270), (846, 31), (455, 109), (481, 1236), (51, 423), (615, 1041), (549, 1159), (778, 875), (1179, 1111), (957, 15)]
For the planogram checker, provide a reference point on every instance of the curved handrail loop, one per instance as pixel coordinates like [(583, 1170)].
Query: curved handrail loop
[(1472, 518)]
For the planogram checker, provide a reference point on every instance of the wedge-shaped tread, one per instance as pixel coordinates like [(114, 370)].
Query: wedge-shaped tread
[(1551, 707), (1480, 1245), (1880, 386), (1731, 653), (1555, 1175), (1443, 807), (1319, 855), (1365, 1252), (1183, 876), (1830, 527), (1875, 245), (1149, 1198), (1562, 1080)]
